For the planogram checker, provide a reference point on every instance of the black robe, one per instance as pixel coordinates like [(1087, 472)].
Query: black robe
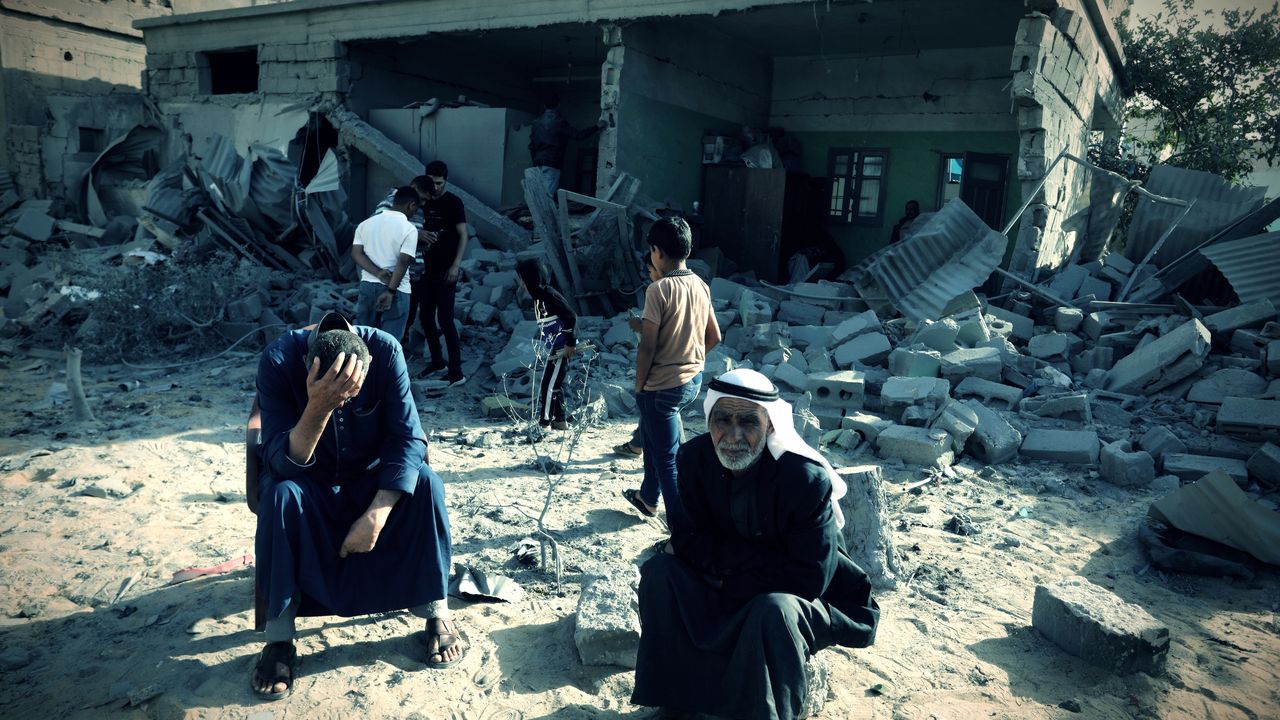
[(756, 584)]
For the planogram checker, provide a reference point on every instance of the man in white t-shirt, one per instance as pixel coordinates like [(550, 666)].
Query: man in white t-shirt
[(383, 249)]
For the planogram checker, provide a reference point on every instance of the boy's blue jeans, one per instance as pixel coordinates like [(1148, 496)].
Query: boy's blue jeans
[(661, 428)]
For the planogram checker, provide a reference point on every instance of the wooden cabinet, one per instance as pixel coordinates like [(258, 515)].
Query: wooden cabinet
[(742, 215)]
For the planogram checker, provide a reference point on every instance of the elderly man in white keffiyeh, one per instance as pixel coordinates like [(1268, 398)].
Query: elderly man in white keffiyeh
[(758, 582)]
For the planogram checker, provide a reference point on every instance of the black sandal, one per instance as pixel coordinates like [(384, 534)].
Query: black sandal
[(633, 496), (275, 663), (625, 450), (442, 646)]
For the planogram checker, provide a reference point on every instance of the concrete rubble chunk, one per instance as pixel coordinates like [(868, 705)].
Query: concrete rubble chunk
[(899, 393), (865, 424), (939, 335), (916, 446), (860, 324), (1080, 447), (1190, 468), (994, 440), (989, 391), (34, 224), (1249, 418), (1162, 362), (868, 531), (807, 336), (1273, 357), (1074, 406), (1228, 382), (726, 290), (915, 361), (1066, 320), (607, 624), (1022, 326), (1264, 465), (844, 388), (957, 420), (1123, 466), (754, 309), (985, 363), (1098, 627), (1249, 314), (1049, 345), (796, 312), (869, 349), (792, 377), (1160, 441), (817, 684), (764, 338)]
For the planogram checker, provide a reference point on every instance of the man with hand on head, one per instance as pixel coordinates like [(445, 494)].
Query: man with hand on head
[(756, 581), (351, 518)]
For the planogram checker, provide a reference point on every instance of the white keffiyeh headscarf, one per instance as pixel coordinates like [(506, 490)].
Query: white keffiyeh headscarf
[(753, 387)]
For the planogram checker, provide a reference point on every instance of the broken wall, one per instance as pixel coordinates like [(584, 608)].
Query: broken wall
[(675, 83), (919, 107), (1064, 85)]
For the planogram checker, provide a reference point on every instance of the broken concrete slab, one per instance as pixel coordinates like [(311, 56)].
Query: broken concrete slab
[(1190, 468), (1264, 465), (1067, 320), (1214, 507), (915, 361), (1065, 446), (791, 376), (754, 309), (726, 290), (984, 363), (795, 312), (1123, 466), (1049, 345), (807, 336), (1061, 405), (1160, 441), (957, 420), (938, 335), (900, 393), (1229, 382), (916, 446), (1249, 314), (870, 349), (860, 324), (845, 388), (1022, 326), (988, 391), (865, 424), (994, 440), (34, 224), (607, 623), (1249, 418), (1161, 363), (1098, 627)]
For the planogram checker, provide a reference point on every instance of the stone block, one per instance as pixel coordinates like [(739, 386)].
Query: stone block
[(1160, 441), (1250, 419), (1121, 465), (1095, 358), (1190, 468), (1074, 406), (989, 391), (844, 388), (860, 324), (985, 363), (994, 440), (495, 278), (796, 312), (726, 290), (1273, 357), (807, 336), (1079, 447), (790, 376), (1248, 314), (1229, 382), (1049, 345), (939, 335), (1094, 287), (867, 530), (917, 361), (1066, 320), (971, 329), (957, 420), (1264, 465), (1162, 362), (1022, 326), (607, 623), (1098, 627), (620, 333), (869, 349), (916, 446), (865, 424), (482, 314), (754, 309), (764, 338), (899, 393)]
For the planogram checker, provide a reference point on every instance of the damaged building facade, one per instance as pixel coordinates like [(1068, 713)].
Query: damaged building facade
[(868, 105)]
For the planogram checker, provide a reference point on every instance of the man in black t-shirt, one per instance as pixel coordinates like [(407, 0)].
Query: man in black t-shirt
[(444, 225)]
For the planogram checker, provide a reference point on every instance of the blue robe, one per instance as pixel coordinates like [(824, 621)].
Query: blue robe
[(375, 442)]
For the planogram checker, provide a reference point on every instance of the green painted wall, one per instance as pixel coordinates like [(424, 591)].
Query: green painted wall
[(915, 164), (661, 144)]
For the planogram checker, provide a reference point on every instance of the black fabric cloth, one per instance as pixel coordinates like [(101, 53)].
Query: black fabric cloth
[(548, 303), (549, 138), (758, 581), (551, 391), (434, 298), (442, 215)]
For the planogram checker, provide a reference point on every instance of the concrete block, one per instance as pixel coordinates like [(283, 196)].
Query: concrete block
[(726, 319), (34, 224), (845, 388), (971, 329), (796, 312), (1098, 627), (620, 333), (829, 416), (1066, 320), (939, 335), (900, 393), (754, 309), (1248, 314), (1094, 287), (860, 324), (807, 336), (916, 446), (869, 349), (607, 623), (1273, 357), (1190, 468), (1161, 363), (957, 420), (1068, 280), (764, 338), (994, 440), (1095, 358), (1160, 441), (989, 391), (1096, 325), (1249, 343), (1049, 345), (1121, 465), (482, 314), (1074, 406), (1264, 465), (789, 375), (716, 364), (917, 361), (1250, 419), (998, 329), (1079, 447), (726, 290), (984, 363), (1022, 326), (865, 424), (1095, 379), (1230, 382), (819, 359)]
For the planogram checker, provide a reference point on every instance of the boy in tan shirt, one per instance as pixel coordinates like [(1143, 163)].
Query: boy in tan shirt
[(678, 329)]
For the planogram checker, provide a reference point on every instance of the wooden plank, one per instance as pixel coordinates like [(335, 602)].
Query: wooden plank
[(544, 223), (566, 240)]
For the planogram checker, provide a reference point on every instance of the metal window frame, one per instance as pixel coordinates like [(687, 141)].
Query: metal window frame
[(853, 185)]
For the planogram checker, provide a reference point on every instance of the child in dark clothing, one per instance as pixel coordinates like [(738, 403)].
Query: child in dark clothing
[(556, 323)]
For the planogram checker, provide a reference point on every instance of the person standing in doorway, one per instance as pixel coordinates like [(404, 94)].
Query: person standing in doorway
[(444, 222), (549, 138)]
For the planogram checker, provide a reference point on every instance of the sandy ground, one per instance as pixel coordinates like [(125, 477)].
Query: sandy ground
[(88, 621)]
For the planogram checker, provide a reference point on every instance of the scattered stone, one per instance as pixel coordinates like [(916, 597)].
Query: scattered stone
[(790, 376), (1098, 627), (916, 361), (844, 388), (1250, 419), (1162, 362), (108, 488), (607, 623), (1264, 465), (988, 391), (860, 324), (1190, 468), (1160, 441), (1230, 382), (994, 440), (957, 420), (1166, 483), (899, 393), (869, 349), (916, 445), (1064, 446), (1122, 466), (984, 363), (960, 524), (939, 335)]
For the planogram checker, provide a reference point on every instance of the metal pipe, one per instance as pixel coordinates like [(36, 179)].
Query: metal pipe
[(1124, 292)]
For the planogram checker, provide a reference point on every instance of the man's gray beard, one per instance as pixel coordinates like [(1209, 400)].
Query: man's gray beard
[(743, 461)]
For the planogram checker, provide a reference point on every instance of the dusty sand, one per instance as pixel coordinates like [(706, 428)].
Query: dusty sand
[(87, 617)]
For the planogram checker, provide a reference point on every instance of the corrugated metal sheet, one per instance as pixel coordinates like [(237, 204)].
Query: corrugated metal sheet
[(1251, 265), (953, 253), (271, 184), (1218, 204), (164, 194)]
